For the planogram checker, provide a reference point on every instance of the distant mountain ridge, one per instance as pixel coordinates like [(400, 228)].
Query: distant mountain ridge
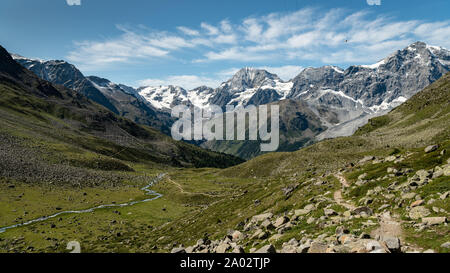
[(342, 99), (120, 99)]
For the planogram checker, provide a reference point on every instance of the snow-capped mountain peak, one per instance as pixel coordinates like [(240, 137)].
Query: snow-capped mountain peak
[(164, 97)]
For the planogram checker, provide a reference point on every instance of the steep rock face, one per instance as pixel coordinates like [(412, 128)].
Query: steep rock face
[(251, 86), (362, 92), (402, 74), (63, 73), (118, 98), (164, 97)]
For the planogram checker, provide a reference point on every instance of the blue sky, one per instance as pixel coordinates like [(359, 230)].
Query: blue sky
[(195, 42)]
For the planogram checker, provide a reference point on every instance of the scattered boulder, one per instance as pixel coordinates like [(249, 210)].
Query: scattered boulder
[(418, 212), (263, 235), (390, 158), (266, 249), (239, 250), (267, 224), (238, 236), (409, 195), (434, 220), (365, 210), (317, 247), (392, 243), (431, 148), (222, 248), (262, 217), (446, 170), (362, 176), (329, 212), (281, 221), (417, 203), (275, 238), (366, 159), (289, 249), (373, 245), (289, 189), (178, 250), (446, 245), (300, 212)]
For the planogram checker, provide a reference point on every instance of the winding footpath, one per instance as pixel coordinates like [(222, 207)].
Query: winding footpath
[(389, 226), (338, 194), (180, 188), (146, 189)]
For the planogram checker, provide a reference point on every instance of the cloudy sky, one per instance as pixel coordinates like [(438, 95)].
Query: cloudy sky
[(203, 42)]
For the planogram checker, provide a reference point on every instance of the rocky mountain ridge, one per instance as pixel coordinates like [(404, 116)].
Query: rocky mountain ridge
[(342, 99), (120, 99)]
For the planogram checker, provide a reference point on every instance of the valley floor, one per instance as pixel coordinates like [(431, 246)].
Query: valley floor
[(385, 203)]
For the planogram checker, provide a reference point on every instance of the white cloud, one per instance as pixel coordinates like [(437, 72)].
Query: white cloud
[(210, 29), (186, 81), (235, 54), (374, 2), (286, 72), (190, 82), (188, 31), (335, 36), (73, 2)]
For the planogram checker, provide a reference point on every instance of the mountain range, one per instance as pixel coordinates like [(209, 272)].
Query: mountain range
[(121, 99), (327, 102)]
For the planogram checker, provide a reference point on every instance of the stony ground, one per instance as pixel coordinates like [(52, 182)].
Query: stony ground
[(367, 214)]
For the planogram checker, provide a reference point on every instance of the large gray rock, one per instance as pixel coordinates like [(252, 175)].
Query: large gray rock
[(446, 245), (222, 248), (361, 210), (266, 249), (318, 247), (178, 250), (366, 159), (280, 221), (262, 217), (392, 243), (373, 245), (238, 236), (431, 148), (329, 212), (418, 212), (239, 250), (434, 220), (267, 224)]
